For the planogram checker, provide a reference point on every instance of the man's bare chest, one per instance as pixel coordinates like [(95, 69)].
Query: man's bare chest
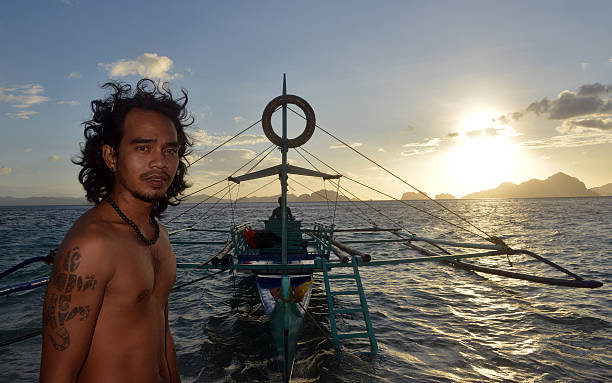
[(141, 274)]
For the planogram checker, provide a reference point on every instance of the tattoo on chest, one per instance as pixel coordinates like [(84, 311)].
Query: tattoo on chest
[(59, 309)]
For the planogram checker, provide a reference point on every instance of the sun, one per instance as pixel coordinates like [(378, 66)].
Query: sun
[(482, 155)]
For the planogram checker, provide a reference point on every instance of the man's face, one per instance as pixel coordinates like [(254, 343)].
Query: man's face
[(148, 155)]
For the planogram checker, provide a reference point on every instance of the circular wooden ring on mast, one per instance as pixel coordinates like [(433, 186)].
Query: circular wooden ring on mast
[(266, 120)]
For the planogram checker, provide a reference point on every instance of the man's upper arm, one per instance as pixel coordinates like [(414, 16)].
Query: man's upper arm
[(72, 303)]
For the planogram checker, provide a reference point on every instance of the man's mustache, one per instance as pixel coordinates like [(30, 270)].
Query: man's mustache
[(165, 175)]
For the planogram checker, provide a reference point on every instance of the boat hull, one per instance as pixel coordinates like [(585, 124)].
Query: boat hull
[(286, 315)]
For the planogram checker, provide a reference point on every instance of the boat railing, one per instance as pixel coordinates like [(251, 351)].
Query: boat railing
[(322, 236), (239, 241)]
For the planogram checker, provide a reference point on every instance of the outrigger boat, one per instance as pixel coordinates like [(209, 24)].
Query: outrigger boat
[(283, 255)]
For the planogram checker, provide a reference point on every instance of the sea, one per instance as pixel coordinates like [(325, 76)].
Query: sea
[(433, 322)]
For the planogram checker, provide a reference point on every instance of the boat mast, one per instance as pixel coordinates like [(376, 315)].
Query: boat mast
[(284, 179)]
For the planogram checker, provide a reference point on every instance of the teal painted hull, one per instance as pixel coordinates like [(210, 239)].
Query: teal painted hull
[(285, 325)]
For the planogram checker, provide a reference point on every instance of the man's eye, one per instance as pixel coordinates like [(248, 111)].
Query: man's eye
[(172, 151), (142, 148)]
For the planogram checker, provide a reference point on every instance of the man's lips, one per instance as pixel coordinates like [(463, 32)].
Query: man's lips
[(156, 179)]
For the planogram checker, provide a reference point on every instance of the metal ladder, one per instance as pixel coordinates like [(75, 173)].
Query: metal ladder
[(369, 333)]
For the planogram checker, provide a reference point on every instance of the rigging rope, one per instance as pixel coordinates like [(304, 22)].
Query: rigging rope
[(488, 237), (338, 188), (270, 148), (225, 142), (398, 200)]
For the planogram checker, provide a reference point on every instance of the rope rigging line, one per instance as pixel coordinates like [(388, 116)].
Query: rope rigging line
[(221, 180), (232, 205), (210, 209), (201, 202), (336, 204), (225, 142), (488, 237), (363, 216), (398, 200), (324, 187), (338, 188), (270, 148)]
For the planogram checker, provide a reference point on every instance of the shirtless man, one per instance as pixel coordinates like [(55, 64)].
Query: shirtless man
[(105, 315)]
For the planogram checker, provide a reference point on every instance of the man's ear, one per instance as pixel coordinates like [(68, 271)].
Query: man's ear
[(110, 157)]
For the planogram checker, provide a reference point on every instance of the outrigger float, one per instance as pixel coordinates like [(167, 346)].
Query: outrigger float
[(283, 256)]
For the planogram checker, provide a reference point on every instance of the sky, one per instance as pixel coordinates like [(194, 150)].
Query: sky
[(452, 97)]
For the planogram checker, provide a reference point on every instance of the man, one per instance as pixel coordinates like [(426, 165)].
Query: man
[(276, 213), (105, 315)]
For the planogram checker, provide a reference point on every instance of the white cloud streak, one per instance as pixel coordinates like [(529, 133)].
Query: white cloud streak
[(569, 141), (54, 158), (4, 170), (352, 145), (202, 138), (416, 148), (23, 96), (74, 75), (147, 65), (22, 114), (72, 103)]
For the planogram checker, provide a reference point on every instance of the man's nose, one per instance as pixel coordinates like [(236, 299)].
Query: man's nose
[(159, 160)]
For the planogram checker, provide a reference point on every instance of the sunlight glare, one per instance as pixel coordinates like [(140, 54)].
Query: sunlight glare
[(483, 155)]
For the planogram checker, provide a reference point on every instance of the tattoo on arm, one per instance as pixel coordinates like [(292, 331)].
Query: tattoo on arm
[(59, 309)]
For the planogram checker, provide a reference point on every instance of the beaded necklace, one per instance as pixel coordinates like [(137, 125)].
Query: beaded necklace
[(148, 242)]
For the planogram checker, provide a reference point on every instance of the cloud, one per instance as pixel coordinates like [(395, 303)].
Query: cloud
[(4, 170), (352, 145), (23, 96), (147, 65), (54, 158), (569, 104), (590, 99), (22, 114), (27, 150), (452, 134), (72, 103), (239, 119), (602, 123), (572, 140), (73, 75), (409, 128), (414, 148), (381, 150), (584, 66), (223, 162), (595, 89), (67, 2), (202, 138), (488, 132)]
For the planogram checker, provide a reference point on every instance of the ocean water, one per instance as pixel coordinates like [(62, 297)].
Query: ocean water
[(433, 323)]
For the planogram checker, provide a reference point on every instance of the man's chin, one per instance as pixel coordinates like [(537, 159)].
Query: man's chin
[(150, 197)]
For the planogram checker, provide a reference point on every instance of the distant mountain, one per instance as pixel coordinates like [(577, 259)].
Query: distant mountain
[(42, 201), (413, 196), (605, 190), (445, 196), (318, 196), (557, 185)]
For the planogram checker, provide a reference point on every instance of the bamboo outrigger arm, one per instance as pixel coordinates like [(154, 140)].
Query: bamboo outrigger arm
[(351, 251), (576, 282)]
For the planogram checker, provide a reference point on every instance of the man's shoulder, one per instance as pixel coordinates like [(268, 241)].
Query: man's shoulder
[(91, 236)]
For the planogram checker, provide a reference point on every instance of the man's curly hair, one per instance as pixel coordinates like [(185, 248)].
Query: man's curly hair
[(106, 128)]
